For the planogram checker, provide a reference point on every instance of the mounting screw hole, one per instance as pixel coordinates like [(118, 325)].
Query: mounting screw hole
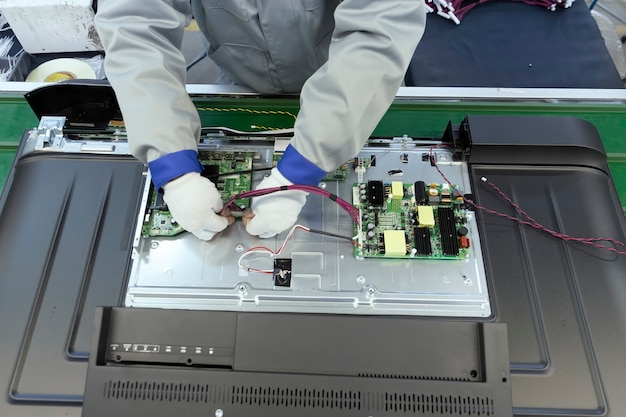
[(189, 361), (504, 380), (473, 373), (118, 358)]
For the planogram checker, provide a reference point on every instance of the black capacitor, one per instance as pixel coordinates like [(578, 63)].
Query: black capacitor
[(421, 198)]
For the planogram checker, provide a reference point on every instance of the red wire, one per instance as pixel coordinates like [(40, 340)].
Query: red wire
[(592, 241), (278, 252), (347, 207), (461, 7)]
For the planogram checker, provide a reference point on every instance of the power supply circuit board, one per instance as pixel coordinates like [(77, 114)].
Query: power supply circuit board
[(230, 171), (398, 220)]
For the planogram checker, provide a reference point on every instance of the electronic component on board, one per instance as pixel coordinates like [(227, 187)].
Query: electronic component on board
[(447, 231), (423, 245), (397, 190), (395, 242), (158, 203), (426, 216), (212, 172), (376, 192), (282, 272), (419, 190)]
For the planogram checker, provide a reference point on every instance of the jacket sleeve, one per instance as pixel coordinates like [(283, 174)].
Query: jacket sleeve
[(147, 71), (341, 104)]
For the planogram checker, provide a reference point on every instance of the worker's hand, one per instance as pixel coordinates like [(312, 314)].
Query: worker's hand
[(276, 212), (194, 203)]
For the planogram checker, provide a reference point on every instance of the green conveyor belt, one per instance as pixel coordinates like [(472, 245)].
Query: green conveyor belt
[(414, 118)]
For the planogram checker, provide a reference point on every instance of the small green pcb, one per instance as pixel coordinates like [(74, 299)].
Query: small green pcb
[(232, 173), (410, 221), (159, 221), (341, 173)]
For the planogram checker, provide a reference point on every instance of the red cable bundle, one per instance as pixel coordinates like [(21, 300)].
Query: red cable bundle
[(455, 10)]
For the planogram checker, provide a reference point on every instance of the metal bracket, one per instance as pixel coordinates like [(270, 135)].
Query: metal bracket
[(49, 133)]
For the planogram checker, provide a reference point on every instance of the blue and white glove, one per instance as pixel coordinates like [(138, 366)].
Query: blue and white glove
[(274, 213), (192, 199)]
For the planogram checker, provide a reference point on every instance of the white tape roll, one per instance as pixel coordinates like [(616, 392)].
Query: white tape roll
[(61, 69)]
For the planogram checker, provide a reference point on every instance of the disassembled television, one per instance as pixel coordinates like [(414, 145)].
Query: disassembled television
[(411, 247)]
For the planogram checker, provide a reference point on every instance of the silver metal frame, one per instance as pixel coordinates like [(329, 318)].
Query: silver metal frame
[(426, 93), (184, 272)]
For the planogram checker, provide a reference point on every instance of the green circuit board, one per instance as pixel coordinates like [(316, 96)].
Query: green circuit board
[(342, 172), (159, 222), (399, 222), (230, 171)]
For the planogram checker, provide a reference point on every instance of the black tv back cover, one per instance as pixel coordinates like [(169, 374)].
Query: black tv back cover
[(148, 362)]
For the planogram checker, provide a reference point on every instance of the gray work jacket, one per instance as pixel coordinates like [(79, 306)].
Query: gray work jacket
[(347, 58)]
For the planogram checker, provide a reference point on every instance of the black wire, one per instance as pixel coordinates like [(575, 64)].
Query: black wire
[(247, 171), (321, 232)]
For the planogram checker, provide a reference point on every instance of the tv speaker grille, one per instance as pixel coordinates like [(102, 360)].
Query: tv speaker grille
[(164, 391), (429, 404), (291, 397), (297, 397)]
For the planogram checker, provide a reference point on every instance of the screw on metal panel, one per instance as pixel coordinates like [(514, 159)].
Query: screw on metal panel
[(154, 245), (360, 279), (219, 412), (239, 247), (371, 291)]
